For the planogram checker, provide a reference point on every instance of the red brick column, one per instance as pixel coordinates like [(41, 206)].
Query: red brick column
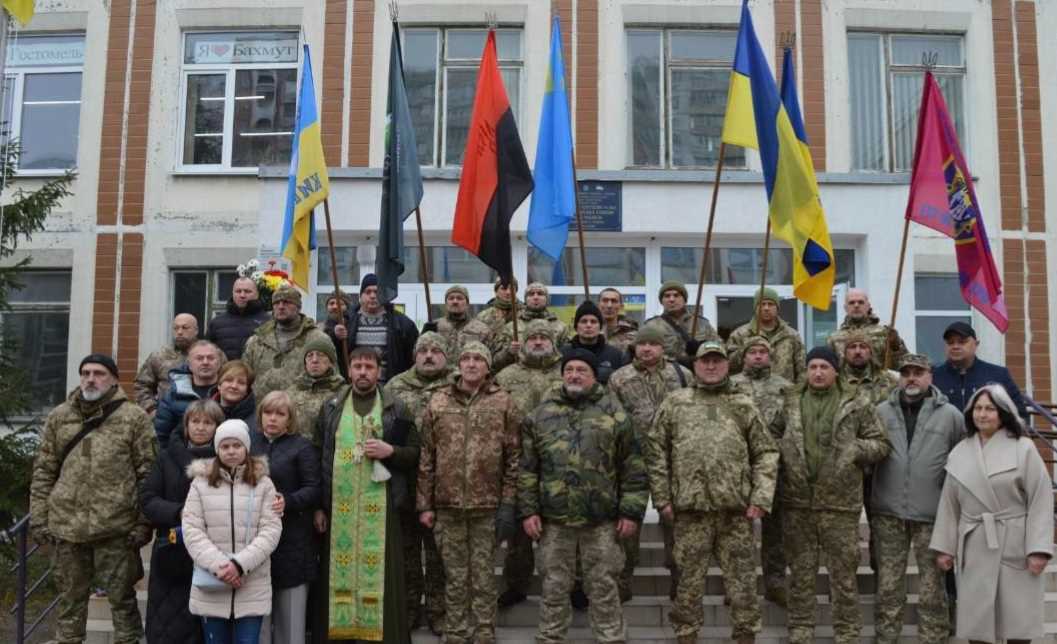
[(333, 91), (360, 118)]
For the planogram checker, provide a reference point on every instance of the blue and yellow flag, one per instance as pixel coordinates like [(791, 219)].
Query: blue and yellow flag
[(20, 9), (308, 184), (554, 199), (758, 117)]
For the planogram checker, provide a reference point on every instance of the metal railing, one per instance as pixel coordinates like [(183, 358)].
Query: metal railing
[(19, 534)]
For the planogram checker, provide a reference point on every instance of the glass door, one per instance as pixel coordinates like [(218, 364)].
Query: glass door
[(734, 307)]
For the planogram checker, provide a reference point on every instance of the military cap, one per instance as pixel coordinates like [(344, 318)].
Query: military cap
[(857, 335), (766, 294), (672, 285), (537, 286), (287, 292), (499, 282), (710, 346), (458, 288), (479, 349), (582, 355), (322, 345), (915, 360), (539, 327), (648, 334), (755, 341)]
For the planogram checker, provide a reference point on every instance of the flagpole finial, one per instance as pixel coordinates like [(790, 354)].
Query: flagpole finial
[(929, 60), (491, 19), (394, 11), (787, 39)]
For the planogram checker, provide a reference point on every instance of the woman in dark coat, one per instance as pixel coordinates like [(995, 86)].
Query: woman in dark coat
[(293, 465), (162, 498), (235, 393)]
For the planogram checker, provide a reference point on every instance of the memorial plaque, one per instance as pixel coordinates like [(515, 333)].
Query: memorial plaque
[(600, 206)]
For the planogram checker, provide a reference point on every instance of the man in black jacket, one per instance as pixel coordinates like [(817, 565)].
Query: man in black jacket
[(379, 326), (589, 335), (963, 373), (230, 330)]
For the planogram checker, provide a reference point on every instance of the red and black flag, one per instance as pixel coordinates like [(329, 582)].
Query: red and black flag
[(495, 173)]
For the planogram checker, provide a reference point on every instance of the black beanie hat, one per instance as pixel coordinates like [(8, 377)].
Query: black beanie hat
[(587, 308), (823, 353), (583, 355), (370, 279), (100, 358)]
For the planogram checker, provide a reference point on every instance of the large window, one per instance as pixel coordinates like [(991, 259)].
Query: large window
[(886, 74), (677, 80), (202, 292), (39, 321), (623, 268), (743, 265), (440, 71), (42, 99), (939, 303), (239, 99)]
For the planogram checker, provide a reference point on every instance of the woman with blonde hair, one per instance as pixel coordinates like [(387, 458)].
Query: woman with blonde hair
[(994, 524)]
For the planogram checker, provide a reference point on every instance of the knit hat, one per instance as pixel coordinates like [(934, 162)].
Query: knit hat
[(537, 286), (649, 334), (823, 353), (458, 288), (583, 355), (854, 336), (479, 349), (587, 308), (432, 339), (338, 295), (755, 341), (499, 282), (100, 359), (765, 294), (370, 279), (233, 428), (322, 345), (287, 292), (915, 360), (672, 285), (539, 327), (710, 346)]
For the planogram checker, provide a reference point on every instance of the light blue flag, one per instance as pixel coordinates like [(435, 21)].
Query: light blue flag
[(554, 199)]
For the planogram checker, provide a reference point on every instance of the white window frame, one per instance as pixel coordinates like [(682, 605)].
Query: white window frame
[(443, 64), (888, 68), (216, 301), (919, 312), (229, 70), (17, 76)]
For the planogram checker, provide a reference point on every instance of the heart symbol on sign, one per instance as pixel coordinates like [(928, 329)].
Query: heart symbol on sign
[(220, 50)]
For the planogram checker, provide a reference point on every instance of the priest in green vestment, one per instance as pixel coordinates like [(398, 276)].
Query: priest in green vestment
[(370, 447)]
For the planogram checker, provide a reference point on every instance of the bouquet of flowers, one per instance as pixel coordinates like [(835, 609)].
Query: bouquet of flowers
[(267, 280)]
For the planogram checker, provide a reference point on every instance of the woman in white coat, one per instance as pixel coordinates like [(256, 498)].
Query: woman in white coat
[(231, 525), (994, 524)]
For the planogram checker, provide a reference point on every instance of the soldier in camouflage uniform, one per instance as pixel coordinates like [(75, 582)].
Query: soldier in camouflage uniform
[(507, 347), (620, 329), (457, 327), (581, 475), (499, 313), (414, 388), (676, 323), (467, 484), (787, 349), (537, 371), (858, 316), (312, 388), (713, 467), (860, 371), (152, 379), (640, 387), (275, 352), (831, 435), (84, 499), (923, 428), (772, 395)]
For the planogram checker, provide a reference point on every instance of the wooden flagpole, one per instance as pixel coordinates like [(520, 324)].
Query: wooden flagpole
[(708, 240), (763, 276), (424, 265), (580, 226), (895, 296), (337, 283)]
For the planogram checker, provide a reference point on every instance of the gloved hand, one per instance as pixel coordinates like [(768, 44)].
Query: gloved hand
[(140, 535), (505, 523), (42, 535), (430, 326)]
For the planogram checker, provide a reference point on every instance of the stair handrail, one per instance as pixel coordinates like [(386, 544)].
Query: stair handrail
[(19, 534), (1041, 411)]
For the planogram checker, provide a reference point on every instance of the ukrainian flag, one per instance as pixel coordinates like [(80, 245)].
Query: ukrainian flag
[(758, 117), (308, 184), (20, 9)]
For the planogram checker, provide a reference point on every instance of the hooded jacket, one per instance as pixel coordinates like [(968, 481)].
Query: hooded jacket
[(232, 329), (171, 408)]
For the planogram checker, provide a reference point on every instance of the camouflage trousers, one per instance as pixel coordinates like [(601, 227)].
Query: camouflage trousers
[(772, 554), (727, 536), (116, 567), (419, 540), (892, 538), (631, 558), (519, 562), (466, 542), (836, 536), (602, 560)]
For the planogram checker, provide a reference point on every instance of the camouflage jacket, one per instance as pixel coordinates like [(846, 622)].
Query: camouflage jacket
[(623, 334), (530, 380), (276, 368), (772, 395), (94, 494), (875, 382), (470, 450), (641, 391), (501, 353), (708, 451), (458, 332), (675, 342), (415, 391), (874, 330), (858, 439), (308, 395), (152, 379), (787, 350), (581, 463), (496, 318)]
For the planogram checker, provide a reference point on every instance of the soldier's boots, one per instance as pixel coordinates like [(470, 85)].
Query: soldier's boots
[(776, 595)]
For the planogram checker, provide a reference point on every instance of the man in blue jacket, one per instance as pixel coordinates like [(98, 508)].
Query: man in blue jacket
[(963, 373)]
